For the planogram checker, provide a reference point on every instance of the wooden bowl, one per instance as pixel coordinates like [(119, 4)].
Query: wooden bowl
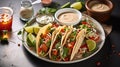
[(100, 16)]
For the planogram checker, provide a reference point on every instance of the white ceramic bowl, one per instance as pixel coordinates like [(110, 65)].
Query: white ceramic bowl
[(60, 11)]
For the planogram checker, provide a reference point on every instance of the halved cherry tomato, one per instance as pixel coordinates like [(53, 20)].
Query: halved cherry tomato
[(55, 52), (44, 47)]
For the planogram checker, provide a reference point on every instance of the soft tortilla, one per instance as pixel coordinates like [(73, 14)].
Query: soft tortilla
[(54, 37), (43, 30), (79, 40)]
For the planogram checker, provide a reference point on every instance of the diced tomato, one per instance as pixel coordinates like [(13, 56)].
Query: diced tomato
[(84, 46), (58, 58), (55, 52), (95, 38), (78, 30), (84, 22), (66, 59), (55, 25), (62, 30), (70, 51), (43, 35), (39, 49), (44, 47), (47, 38), (71, 44)]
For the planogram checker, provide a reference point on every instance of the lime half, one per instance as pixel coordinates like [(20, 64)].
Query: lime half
[(76, 5), (91, 44), (32, 29), (31, 39)]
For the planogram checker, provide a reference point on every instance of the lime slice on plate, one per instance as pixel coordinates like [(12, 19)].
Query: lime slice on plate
[(32, 29), (36, 29), (91, 44), (76, 5), (30, 39)]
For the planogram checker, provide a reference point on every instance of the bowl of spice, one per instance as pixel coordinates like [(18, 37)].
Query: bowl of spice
[(68, 16), (99, 9)]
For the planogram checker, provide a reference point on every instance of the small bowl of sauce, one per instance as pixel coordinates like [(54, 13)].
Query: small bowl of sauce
[(99, 9), (68, 16)]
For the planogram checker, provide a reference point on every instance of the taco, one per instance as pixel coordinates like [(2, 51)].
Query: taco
[(79, 40), (71, 41), (54, 52), (43, 39)]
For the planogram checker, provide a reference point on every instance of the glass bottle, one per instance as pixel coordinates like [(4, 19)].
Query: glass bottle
[(26, 10)]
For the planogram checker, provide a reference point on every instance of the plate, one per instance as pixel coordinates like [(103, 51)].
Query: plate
[(100, 44)]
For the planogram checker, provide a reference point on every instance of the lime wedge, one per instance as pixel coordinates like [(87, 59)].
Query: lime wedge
[(32, 29), (36, 29), (66, 5), (91, 44), (76, 5), (30, 39), (29, 29)]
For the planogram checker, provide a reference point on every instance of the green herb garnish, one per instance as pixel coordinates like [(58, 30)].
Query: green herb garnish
[(47, 10)]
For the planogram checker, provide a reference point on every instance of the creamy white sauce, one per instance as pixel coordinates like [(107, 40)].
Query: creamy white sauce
[(68, 17), (45, 19), (100, 7)]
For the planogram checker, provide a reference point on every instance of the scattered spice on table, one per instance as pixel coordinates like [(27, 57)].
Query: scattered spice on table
[(113, 46), (114, 51), (119, 54), (18, 44), (98, 63)]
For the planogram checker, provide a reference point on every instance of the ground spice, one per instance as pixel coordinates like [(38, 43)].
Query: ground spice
[(119, 54), (18, 44), (98, 63)]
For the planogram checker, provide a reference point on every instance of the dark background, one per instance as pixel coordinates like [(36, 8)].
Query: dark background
[(13, 55)]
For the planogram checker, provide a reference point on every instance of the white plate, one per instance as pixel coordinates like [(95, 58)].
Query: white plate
[(100, 45)]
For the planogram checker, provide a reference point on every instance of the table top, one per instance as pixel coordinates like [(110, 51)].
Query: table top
[(14, 54)]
